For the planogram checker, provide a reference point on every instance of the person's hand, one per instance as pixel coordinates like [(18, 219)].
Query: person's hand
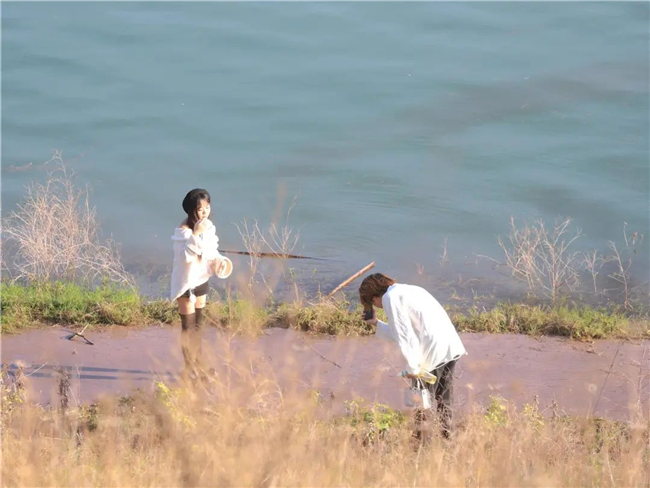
[(371, 321), (410, 376), (200, 226)]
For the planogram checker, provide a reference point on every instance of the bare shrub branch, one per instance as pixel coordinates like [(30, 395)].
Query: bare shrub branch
[(543, 258), (633, 239), (593, 262), (56, 235), (622, 272), (443, 256), (279, 240), (623, 263), (253, 243)]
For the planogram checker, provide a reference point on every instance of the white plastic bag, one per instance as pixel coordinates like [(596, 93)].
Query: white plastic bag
[(426, 398), (420, 397), (409, 401), (418, 391)]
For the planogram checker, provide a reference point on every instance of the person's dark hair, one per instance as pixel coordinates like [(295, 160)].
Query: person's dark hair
[(372, 286), (191, 205)]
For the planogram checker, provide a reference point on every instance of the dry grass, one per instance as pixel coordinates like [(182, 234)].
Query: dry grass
[(251, 433), (547, 262), (54, 235), (623, 262), (543, 258), (593, 263), (278, 240)]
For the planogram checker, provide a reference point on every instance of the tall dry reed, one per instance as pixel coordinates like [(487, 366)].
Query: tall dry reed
[(243, 429)]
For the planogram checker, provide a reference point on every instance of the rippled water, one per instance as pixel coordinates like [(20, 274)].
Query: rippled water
[(395, 125)]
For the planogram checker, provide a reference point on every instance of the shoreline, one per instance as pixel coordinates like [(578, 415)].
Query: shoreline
[(39, 306)]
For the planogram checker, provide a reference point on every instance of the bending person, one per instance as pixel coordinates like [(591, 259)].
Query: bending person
[(422, 330)]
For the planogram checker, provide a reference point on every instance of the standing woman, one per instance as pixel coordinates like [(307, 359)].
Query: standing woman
[(196, 258)]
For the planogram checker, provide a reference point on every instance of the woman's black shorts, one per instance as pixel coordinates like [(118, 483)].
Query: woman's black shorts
[(199, 291)]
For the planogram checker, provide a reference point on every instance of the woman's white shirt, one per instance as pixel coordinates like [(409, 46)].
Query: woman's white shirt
[(192, 255)]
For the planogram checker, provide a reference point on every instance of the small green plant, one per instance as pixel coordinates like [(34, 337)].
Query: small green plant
[(496, 414), (89, 415), (532, 415), (316, 397), (12, 391), (374, 422), (170, 399)]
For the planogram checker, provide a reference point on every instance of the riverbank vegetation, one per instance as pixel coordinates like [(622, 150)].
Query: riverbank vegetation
[(57, 269), (62, 303), (259, 435)]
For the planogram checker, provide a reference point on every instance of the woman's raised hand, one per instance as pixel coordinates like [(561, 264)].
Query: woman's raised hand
[(200, 226)]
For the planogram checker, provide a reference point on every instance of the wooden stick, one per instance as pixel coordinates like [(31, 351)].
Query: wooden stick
[(328, 360), (81, 334), (351, 279), (267, 254)]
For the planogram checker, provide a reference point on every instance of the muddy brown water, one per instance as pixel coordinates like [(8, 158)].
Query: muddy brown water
[(604, 378)]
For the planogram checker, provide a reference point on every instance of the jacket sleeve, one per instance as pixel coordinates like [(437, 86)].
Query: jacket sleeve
[(187, 244), (211, 245), (193, 246), (405, 335)]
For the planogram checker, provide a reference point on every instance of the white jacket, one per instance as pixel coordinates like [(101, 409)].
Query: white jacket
[(421, 328), (191, 258)]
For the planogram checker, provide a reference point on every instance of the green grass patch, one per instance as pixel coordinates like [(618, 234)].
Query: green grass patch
[(238, 314), (72, 304), (578, 323), (324, 317)]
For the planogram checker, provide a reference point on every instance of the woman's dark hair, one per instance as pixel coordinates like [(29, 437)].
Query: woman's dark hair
[(191, 205), (373, 286)]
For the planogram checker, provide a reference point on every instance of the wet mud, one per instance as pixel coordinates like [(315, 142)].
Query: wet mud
[(604, 378)]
